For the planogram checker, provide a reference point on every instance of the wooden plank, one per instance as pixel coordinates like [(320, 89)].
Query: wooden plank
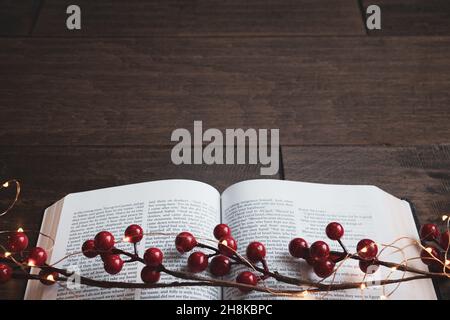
[(203, 17), (17, 17), (49, 173), (412, 17), (137, 91), (421, 174)]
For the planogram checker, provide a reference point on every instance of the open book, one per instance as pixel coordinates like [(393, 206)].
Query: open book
[(270, 211)]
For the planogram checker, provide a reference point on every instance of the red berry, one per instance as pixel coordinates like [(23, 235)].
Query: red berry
[(367, 249), (445, 240), (429, 255), (247, 277), (47, 277), (88, 249), (17, 242), (256, 252), (319, 251), (37, 257), (134, 233), (185, 242), (324, 268), (113, 263), (197, 262), (368, 266), (298, 248), (222, 230), (5, 273), (429, 232), (334, 231), (104, 241), (220, 266), (150, 275), (153, 257), (227, 246)]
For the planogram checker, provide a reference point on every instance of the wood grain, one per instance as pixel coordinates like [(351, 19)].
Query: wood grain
[(50, 173), (421, 174), (412, 17), (342, 91), (17, 17), (203, 17)]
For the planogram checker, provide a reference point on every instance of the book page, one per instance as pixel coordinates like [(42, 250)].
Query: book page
[(168, 206), (274, 212)]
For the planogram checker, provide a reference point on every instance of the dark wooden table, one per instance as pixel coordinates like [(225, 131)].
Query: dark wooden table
[(95, 108)]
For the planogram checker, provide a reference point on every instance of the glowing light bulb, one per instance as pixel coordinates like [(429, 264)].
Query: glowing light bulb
[(429, 250), (31, 263), (444, 217), (7, 254), (394, 268), (6, 184), (447, 262), (50, 277), (363, 286), (126, 239), (20, 230), (225, 243)]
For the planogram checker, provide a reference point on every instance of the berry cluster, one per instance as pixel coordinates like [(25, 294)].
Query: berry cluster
[(323, 260), (103, 245), (224, 257), (219, 262), (436, 245), (17, 245)]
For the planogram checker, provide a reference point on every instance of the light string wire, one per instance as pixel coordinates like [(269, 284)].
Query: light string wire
[(304, 292)]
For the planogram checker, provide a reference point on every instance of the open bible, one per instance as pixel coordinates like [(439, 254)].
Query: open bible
[(270, 211)]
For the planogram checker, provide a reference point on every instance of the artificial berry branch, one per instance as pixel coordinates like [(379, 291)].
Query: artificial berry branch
[(18, 259), (220, 261)]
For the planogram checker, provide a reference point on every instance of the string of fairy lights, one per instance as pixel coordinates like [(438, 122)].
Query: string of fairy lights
[(310, 291)]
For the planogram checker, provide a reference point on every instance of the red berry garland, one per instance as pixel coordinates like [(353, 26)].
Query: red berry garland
[(318, 255)]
